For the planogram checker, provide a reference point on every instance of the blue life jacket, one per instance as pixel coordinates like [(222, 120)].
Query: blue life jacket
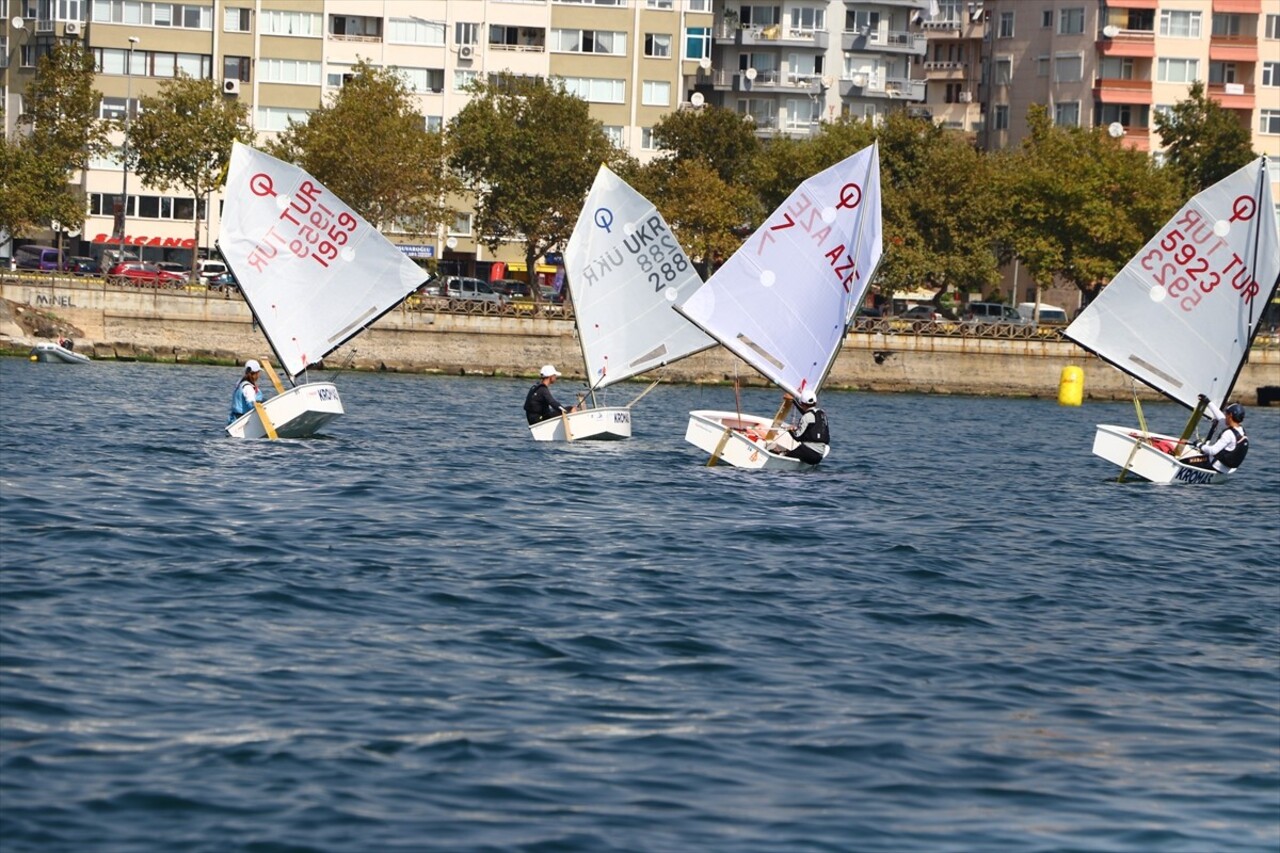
[(240, 406)]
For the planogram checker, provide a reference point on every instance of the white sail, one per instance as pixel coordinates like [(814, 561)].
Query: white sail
[(625, 270), (782, 301), (1181, 314), (313, 270)]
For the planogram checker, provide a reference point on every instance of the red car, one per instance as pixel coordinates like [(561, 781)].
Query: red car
[(144, 272)]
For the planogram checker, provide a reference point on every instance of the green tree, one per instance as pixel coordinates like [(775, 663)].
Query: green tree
[(1077, 204), (182, 137), (1203, 141), (368, 145), (58, 134), (719, 137), (528, 152)]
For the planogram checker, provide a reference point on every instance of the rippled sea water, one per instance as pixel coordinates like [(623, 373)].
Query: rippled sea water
[(425, 632)]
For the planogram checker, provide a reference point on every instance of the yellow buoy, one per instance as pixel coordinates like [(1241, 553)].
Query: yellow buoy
[(34, 358), (1071, 386)]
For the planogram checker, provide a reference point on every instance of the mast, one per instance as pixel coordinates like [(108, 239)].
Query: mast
[(256, 319)]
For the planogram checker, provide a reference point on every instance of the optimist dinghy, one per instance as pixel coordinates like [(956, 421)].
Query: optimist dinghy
[(625, 270), (783, 302), (1182, 314), (314, 273)]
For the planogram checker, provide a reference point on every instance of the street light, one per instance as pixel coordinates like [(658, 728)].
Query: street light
[(124, 152)]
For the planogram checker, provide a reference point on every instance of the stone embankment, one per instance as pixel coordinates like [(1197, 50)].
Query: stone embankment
[(174, 325)]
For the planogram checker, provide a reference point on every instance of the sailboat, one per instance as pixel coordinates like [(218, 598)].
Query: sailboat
[(1182, 314), (624, 270), (782, 302), (313, 272)]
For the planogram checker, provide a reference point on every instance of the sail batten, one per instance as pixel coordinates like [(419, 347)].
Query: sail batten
[(625, 269), (1182, 313), (782, 302), (295, 246)]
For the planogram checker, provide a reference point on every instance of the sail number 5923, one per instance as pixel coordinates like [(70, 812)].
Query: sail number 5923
[(1178, 267)]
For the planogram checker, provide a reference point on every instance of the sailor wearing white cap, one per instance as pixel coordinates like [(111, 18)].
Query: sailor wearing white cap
[(539, 404), (246, 393)]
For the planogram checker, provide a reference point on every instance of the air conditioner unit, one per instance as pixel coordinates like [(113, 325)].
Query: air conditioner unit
[(72, 28), (966, 97), (230, 87), (466, 51)]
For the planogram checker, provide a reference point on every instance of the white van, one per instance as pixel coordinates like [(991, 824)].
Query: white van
[(1050, 315), (208, 270)]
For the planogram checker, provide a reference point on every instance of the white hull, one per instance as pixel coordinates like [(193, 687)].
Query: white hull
[(297, 413), (610, 423), (54, 354), (1116, 445), (745, 447)]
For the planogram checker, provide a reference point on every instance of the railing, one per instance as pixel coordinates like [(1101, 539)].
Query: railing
[(519, 48), (343, 37)]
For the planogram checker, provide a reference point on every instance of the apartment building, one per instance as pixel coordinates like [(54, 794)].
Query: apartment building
[(973, 65)]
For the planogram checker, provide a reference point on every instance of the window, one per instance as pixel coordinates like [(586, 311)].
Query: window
[(1004, 71), (596, 90), (801, 113), (297, 71), (1071, 22), (699, 5), (1006, 25), (952, 93), (463, 78), (235, 68), (432, 124), (1046, 18), (657, 46), (465, 33), (1068, 69), (1269, 122), (1116, 68), (1179, 24), (421, 80), (659, 4), (1222, 72), (646, 139), (614, 133), (278, 118), (760, 16), (808, 19), (415, 31), (519, 38), (1273, 27), (1042, 66), (1227, 26), (1271, 73), (461, 225), (862, 22), (113, 109), (184, 16), (148, 63), (277, 22), (1002, 117), (1067, 114), (1177, 70), (656, 93), (697, 43), (235, 20), (589, 41)]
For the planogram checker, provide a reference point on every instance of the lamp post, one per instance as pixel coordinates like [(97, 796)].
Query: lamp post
[(124, 153)]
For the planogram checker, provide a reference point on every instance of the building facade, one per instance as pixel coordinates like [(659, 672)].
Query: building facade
[(976, 66)]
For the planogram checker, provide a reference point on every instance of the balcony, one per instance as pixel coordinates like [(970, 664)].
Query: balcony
[(1233, 48), (1233, 96), (1137, 138), (1237, 7), (1118, 90), (355, 28), (1136, 43), (1133, 4), (777, 35), (893, 88), (884, 41), (772, 81), (948, 70)]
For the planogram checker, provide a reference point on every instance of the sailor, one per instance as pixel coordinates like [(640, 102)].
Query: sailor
[(246, 393), (1224, 453), (538, 403), (811, 431)]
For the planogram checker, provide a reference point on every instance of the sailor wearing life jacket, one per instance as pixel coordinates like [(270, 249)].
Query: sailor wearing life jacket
[(246, 393), (811, 432), (1224, 453), (539, 404)]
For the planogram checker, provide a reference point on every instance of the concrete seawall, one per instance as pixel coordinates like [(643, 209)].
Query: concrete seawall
[(176, 325)]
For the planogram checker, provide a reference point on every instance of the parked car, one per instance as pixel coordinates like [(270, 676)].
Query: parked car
[(1050, 315), (36, 258), (210, 269), (461, 287), (993, 312), (174, 267), (511, 288), (82, 265), (225, 281), (144, 272), (922, 313)]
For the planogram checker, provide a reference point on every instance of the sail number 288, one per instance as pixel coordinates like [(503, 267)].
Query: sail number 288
[(662, 261), (1185, 274)]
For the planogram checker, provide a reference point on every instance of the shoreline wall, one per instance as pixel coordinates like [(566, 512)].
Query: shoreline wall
[(181, 326)]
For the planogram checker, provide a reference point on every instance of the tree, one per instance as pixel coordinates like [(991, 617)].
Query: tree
[(59, 133), (183, 136), (528, 151), (1078, 204), (719, 137), (1203, 141), (368, 145)]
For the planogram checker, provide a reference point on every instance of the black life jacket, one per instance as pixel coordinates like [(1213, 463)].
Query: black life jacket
[(532, 404), (817, 432), (1233, 457)]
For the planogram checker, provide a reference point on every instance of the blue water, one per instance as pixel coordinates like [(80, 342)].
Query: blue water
[(426, 632)]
